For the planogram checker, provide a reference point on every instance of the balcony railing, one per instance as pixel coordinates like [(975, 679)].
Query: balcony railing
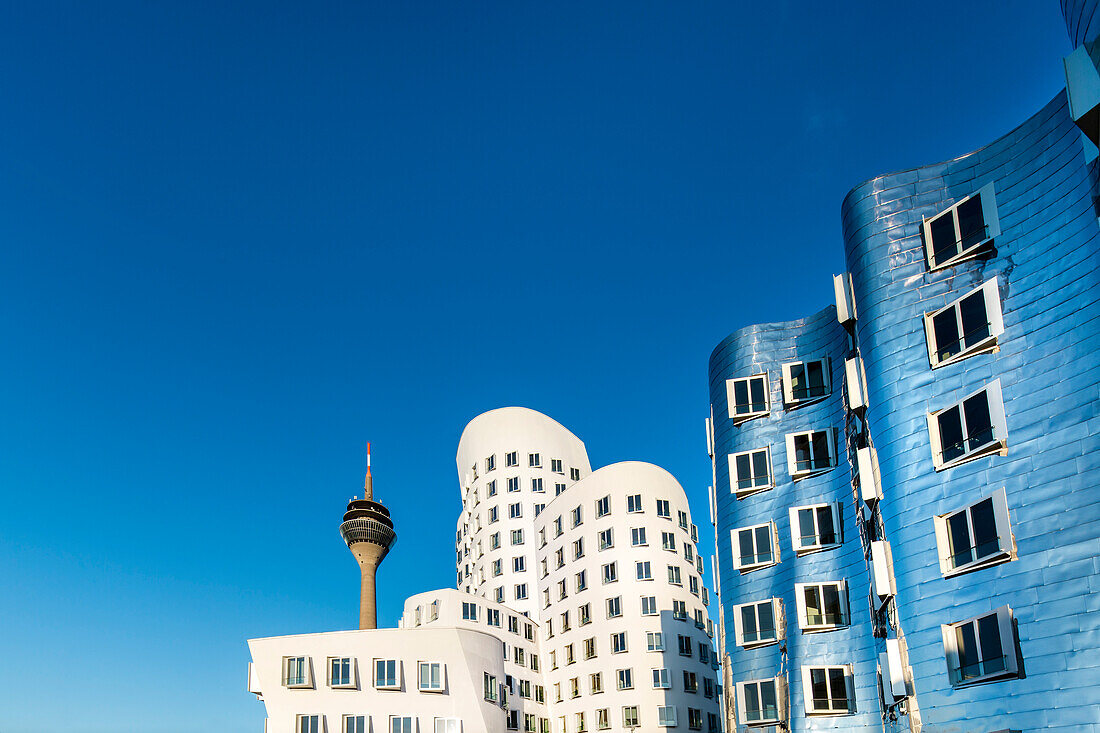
[(809, 391), (970, 444), (981, 668), (813, 464), (825, 619), (944, 250)]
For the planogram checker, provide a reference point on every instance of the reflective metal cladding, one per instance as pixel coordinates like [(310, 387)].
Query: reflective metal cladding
[(905, 499)]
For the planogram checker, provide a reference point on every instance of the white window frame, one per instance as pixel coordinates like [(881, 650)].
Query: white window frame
[(649, 602), (780, 690), (1008, 648), (731, 402), (992, 224), (309, 723), (1005, 545), (662, 680), (634, 504), (735, 538), (386, 685), (991, 296), (666, 716), (798, 541), (793, 468), (534, 460), (654, 641), (849, 691), (776, 606), (804, 621), (353, 724), (637, 537), (437, 685), (643, 570), (402, 724), (298, 682), (351, 683), (448, 725), (999, 444), (736, 479), (789, 399)]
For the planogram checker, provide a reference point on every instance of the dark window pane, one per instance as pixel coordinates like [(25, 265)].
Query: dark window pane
[(979, 426), (760, 468), (944, 245), (767, 697), (975, 322), (748, 623), (839, 689), (744, 471), (802, 459), (971, 222), (821, 450), (744, 541), (989, 634), (819, 687), (752, 702), (814, 615), (759, 400), (764, 544), (951, 434), (985, 529), (831, 597), (767, 621), (741, 397), (958, 534), (806, 530), (946, 328), (825, 528), (967, 645)]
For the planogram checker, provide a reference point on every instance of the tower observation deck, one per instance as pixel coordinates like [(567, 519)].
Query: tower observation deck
[(368, 531)]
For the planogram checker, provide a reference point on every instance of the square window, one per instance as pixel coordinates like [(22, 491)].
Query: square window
[(666, 716), (355, 724), (630, 714), (975, 537), (649, 605), (536, 485), (962, 232), (614, 607), (618, 642), (603, 507), (308, 724), (661, 679), (511, 459), (558, 488), (972, 428), (822, 606), (431, 676), (654, 641), (828, 690), (297, 672), (387, 674), (637, 537), (642, 571), (341, 672), (747, 397), (634, 503), (606, 539), (805, 382), (663, 509), (674, 575), (515, 511), (750, 472), (668, 541), (815, 527), (810, 453), (626, 682), (534, 460), (760, 701), (574, 474), (555, 465), (754, 547), (691, 682), (967, 326), (610, 573), (982, 648), (401, 724), (758, 624)]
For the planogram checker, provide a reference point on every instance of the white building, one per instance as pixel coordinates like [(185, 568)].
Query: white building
[(580, 607)]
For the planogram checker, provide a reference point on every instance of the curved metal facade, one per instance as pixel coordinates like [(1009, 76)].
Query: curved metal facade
[(764, 349)]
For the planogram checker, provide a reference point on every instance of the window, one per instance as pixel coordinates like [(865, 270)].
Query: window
[(618, 642), (521, 592), (534, 460), (810, 453), (469, 611), (828, 690), (431, 676), (981, 648), (626, 679), (689, 553), (519, 564), (654, 641), (401, 724), (296, 672), (562, 593), (559, 557), (822, 606), (581, 728), (663, 509), (498, 594), (668, 541), (661, 679), (584, 614), (574, 474), (491, 488), (308, 724), (387, 674), (962, 232), (494, 541), (695, 719), (969, 429), (490, 687), (634, 503), (683, 520), (968, 326), (574, 687), (975, 537), (559, 528), (755, 623), (754, 547), (674, 575), (649, 605), (558, 488), (750, 472), (355, 724), (589, 647), (759, 701), (490, 463), (691, 682), (513, 484), (684, 644), (492, 617), (581, 581), (642, 571), (539, 508), (637, 537), (815, 527), (515, 511), (666, 716), (340, 672), (610, 573), (614, 607), (577, 517), (497, 570), (747, 397), (606, 539), (805, 381), (578, 548), (494, 514), (536, 485), (603, 507), (603, 719), (679, 611), (511, 459)]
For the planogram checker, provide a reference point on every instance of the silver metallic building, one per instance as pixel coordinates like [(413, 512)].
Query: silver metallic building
[(905, 498)]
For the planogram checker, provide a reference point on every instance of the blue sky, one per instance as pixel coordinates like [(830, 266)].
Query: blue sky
[(241, 239)]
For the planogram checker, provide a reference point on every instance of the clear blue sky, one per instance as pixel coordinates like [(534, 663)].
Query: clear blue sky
[(240, 240)]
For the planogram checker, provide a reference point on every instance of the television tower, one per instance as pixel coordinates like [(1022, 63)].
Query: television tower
[(368, 531)]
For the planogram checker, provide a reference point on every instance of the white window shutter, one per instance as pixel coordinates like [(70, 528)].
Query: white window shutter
[(1008, 638), (997, 411), (870, 487), (792, 468), (895, 672), (796, 535), (800, 603), (1000, 516), (852, 379), (989, 210), (845, 302), (881, 573), (943, 544), (992, 296)]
